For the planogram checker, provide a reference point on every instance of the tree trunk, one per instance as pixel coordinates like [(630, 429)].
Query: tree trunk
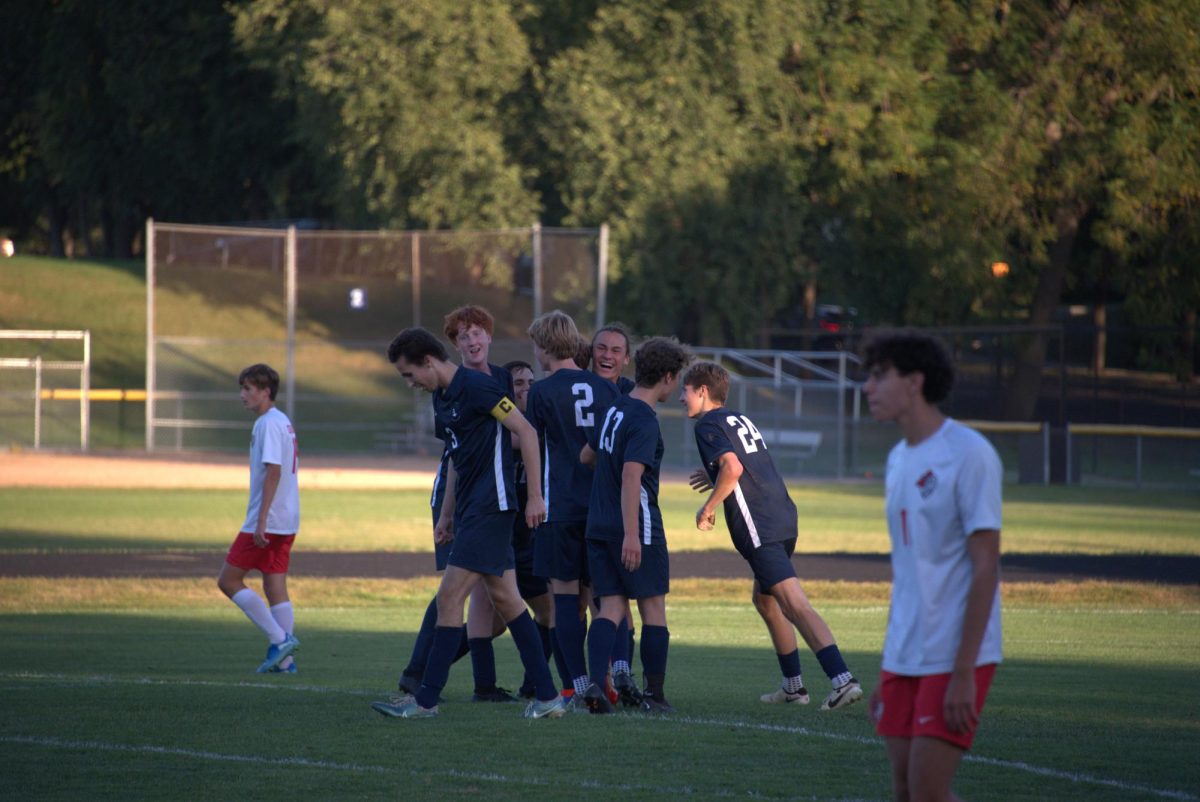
[(57, 219), (1022, 395)]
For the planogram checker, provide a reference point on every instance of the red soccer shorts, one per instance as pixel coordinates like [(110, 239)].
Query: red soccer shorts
[(271, 560), (912, 707)]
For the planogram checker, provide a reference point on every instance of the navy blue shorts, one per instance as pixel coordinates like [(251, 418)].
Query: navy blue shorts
[(529, 584), (483, 543), (560, 551), (771, 563), (609, 577)]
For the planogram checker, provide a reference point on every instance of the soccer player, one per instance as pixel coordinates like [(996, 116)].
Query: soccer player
[(564, 408), (477, 415), (272, 520), (762, 523), (610, 355), (627, 546), (470, 329), (534, 588), (943, 638)]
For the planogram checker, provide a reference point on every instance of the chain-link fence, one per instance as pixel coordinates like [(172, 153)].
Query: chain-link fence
[(321, 306)]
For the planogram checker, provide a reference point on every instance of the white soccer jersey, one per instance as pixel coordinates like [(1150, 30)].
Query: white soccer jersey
[(273, 442), (939, 492)]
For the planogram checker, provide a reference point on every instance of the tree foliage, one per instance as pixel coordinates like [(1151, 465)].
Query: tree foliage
[(747, 153)]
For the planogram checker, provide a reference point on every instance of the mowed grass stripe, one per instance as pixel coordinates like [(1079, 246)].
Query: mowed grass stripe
[(67, 680)]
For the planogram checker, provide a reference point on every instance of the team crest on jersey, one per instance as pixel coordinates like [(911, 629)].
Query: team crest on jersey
[(927, 484)]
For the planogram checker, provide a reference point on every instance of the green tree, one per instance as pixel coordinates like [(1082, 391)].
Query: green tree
[(1083, 117), (405, 100)]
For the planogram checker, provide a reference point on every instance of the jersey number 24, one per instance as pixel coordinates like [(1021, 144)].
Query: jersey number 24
[(747, 432)]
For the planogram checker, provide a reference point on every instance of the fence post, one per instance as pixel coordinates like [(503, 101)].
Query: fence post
[(1067, 441), (291, 322), (1046, 455), (85, 386), (416, 277), (151, 374), (37, 402), (536, 234), (602, 277), (841, 416)]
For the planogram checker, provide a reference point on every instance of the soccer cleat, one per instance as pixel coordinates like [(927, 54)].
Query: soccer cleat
[(597, 700), (844, 696), (289, 668), (492, 694), (655, 703), (404, 707), (551, 708), (277, 651), (782, 695), (527, 691), (626, 689)]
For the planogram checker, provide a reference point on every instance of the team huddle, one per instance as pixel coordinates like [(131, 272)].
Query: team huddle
[(545, 514)]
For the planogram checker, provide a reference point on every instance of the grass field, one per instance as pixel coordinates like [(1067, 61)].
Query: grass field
[(832, 518), (143, 689)]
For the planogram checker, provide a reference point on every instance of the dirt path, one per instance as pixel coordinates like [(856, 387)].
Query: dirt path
[(121, 469)]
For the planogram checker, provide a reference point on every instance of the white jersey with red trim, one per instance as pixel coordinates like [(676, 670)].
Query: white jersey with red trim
[(273, 442), (939, 492)]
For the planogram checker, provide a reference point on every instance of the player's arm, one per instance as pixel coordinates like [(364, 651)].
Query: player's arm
[(727, 479), (983, 549), (631, 501), (270, 485), (587, 456), (515, 422), (443, 531)]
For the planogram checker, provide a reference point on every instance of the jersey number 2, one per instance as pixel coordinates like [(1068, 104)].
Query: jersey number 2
[(583, 403)]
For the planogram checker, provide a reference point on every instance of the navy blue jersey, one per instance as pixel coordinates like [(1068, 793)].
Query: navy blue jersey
[(565, 407), (759, 510), (470, 411), (439, 485), (629, 433), (625, 386)]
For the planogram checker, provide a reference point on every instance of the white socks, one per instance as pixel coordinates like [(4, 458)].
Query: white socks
[(256, 610)]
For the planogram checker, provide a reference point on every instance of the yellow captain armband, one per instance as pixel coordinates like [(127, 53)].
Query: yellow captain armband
[(503, 409)]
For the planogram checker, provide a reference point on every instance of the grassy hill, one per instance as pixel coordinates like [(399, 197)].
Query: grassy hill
[(107, 297)]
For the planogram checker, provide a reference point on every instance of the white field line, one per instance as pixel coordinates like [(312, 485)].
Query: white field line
[(99, 680)]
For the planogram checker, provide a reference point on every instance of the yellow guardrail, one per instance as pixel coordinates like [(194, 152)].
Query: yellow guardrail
[(63, 394), (1115, 430), (1004, 427)]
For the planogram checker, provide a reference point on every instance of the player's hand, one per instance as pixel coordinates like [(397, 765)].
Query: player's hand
[(959, 705), (260, 537), (631, 553), (443, 533), (535, 511), (705, 520), (875, 706), (699, 481)]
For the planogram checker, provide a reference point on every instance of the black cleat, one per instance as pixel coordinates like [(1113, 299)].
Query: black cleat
[(597, 700), (409, 684), (492, 694), (627, 689), (656, 703)]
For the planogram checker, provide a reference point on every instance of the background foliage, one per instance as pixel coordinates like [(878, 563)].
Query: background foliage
[(881, 154)]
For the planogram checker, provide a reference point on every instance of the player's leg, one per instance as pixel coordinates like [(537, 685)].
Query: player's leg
[(542, 607), (655, 641), (795, 605), (787, 653), (483, 624), (898, 752), (275, 588), (243, 557), (456, 586), (601, 635), (507, 601), (932, 764)]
